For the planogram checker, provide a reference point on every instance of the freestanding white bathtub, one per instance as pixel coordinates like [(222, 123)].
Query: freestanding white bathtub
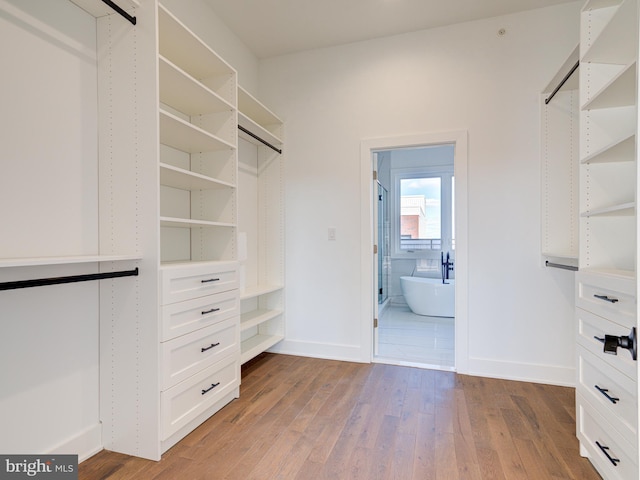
[(429, 296)]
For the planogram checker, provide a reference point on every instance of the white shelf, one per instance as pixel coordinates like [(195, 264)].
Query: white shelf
[(175, 177), (256, 345), (597, 4), (256, 291), (619, 151), (181, 46), (40, 261), (257, 317), (613, 44), (98, 8), (190, 223), (623, 209), (611, 272), (254, 109), (184, 93), (572, 82), (179, 134), (618, 92)]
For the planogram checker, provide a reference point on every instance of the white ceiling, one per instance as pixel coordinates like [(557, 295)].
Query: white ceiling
[(275, 27)]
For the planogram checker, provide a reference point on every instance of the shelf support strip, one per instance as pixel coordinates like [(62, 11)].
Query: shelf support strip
[(40, 282)]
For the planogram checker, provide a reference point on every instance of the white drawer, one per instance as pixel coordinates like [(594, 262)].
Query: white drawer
[(609, 296), (185, 317), (184, 402), (604, 445), (188, 354), (610, 392), (591, 326), (184, 282)]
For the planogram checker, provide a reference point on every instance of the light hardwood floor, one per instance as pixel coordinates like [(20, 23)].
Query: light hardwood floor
[(304, 418)]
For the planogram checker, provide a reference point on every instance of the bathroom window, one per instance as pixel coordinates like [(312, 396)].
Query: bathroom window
[(424, 214)]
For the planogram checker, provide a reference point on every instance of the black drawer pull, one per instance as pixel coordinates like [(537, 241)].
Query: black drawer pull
[(204, 349), (606, 299), (213, 385), (206, 312), (605, 392), (209, 280), (612, 343), (604, 449)]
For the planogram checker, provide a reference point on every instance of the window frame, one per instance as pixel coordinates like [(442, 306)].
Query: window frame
[(446, 175)]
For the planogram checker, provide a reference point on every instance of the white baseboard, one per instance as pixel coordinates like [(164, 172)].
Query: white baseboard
[(526, 372), (85, 444), (329, 351), (481, 367)]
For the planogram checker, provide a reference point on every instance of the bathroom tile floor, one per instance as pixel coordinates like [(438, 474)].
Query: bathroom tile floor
[(405, 338)]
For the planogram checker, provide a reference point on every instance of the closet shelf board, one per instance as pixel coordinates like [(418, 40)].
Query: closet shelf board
[(175, 177), (185, 93), (179, 134)]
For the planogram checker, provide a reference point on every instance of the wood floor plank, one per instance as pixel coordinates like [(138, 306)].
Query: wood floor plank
[(312, 419)]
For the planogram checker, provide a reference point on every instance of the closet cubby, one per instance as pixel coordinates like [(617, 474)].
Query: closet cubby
[(261, 214), (198, 158), (608, 116)]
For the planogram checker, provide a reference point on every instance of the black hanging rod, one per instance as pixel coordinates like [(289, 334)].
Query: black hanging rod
[(120, 11), (559, 265), (41, 282), (259, 139), (562, 82)]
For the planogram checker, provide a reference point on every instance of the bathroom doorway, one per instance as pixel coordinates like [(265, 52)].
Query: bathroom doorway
[(418, 225)]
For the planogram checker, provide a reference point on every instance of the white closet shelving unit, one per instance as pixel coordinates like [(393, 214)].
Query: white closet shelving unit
[(262, 296), (167, 129), (200, 322), (559, 129), (606, 284)]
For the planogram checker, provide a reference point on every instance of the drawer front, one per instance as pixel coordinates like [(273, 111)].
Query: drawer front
[(608, 296), (591, 326), (610, 392), (187, 282), (604, 445), (185, 317), (184, 402), (188, 354)]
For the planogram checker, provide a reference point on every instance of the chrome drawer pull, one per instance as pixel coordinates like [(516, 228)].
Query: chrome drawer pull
[(605, 392), (604, 449), (209, 280), (606, 298), (204, 349), (206, 312), (213, 385)]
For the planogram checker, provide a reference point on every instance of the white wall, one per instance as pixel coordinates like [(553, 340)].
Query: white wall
[(462, 77)]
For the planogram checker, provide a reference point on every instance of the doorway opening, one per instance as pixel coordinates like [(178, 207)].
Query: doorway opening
[(416, 316), (417, 211)]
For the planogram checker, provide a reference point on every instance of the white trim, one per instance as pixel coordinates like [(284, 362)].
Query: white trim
[(85, 444), (459, 138), (525, 372), (329, 351)]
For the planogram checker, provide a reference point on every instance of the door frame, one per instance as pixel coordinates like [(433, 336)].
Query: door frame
[(367, 235)]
